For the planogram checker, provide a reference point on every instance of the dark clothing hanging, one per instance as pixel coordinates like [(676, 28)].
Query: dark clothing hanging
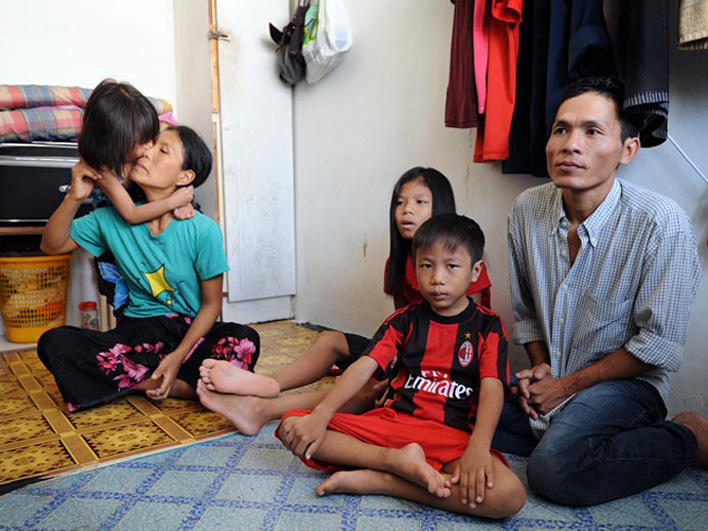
[(568, 40), (461, 104), (640, 38), (589, 49), (578, 46), (520, 135), (565, 40), (557, 61), (539, 137)]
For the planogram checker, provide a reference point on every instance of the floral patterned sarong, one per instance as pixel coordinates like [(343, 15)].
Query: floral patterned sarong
[(92, 368)]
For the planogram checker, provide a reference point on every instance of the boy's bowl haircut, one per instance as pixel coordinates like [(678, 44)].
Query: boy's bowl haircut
[(454, 231)]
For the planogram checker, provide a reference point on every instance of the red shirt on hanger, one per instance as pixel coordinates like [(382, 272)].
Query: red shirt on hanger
[(492, 141)]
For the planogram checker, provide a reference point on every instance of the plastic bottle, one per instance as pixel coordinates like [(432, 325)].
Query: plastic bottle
[(89, 315)]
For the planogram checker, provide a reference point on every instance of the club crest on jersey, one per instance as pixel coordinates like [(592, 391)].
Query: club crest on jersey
[(465, 353)]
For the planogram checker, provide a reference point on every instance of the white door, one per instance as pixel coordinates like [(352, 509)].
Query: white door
[(257, 158)]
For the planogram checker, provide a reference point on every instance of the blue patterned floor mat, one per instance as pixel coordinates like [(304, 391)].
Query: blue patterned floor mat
[(239, 482)]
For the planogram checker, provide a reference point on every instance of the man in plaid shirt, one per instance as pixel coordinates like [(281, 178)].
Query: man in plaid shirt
[(603, 276)]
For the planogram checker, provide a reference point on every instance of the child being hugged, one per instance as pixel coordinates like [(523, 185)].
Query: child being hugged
[(118, 125), (417, 195), (431, 442)]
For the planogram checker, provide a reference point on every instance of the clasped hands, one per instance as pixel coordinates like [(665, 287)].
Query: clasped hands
[(538, 391)]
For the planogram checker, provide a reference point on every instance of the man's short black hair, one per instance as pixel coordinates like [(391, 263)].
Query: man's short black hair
[(195, 152), (612, 89), (453, 231)]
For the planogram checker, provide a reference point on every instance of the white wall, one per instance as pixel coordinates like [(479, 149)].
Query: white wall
[(356, 131), (193, 83), (382, 112), (159, 46), (79, 43)]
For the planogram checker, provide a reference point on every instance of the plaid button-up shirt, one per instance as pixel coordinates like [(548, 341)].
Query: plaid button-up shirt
[(632, 284)]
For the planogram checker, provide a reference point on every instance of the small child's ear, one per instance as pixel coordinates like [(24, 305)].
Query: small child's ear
[(186, 177), (477, 269)]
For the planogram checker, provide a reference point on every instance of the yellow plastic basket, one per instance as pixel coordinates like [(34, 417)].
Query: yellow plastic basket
[(33, 295)]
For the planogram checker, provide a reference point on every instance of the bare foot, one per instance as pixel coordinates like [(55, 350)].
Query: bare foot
[(360, 482), (698, 424), (222, 376), (409, 463), (242, 411)]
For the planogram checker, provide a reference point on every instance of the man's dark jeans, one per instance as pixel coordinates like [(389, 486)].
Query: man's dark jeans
[(610, 441)]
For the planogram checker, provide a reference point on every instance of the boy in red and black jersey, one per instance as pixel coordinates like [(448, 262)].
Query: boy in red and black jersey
[(439, 361), (430, 442)]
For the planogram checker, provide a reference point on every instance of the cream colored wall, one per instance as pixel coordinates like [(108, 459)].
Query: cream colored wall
[(382, 112), (79, 43), (83, 41), (193, 81), (160, 47)]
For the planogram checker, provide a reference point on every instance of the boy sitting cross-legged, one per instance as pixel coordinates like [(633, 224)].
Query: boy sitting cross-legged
[(445, 397)]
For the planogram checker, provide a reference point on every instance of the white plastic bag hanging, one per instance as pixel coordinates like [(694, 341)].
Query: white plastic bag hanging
[(326, 39)]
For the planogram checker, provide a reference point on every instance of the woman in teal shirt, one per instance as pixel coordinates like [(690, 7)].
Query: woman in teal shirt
[(174, 271)]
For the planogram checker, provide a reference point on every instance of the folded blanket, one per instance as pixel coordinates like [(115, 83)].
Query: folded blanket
[(50, 123), (40, 123), (24, 96), (44, 112)]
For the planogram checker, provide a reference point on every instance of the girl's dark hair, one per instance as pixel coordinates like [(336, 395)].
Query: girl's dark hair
[(195, 153), (116, 119), (443, 203)]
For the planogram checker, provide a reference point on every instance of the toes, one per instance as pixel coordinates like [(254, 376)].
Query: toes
[(202, 388), (442, 492)]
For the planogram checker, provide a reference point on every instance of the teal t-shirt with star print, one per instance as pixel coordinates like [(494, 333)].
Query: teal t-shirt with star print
[(162, 272)]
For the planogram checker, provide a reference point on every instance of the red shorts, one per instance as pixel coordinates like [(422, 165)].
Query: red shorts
[(388, 428)]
